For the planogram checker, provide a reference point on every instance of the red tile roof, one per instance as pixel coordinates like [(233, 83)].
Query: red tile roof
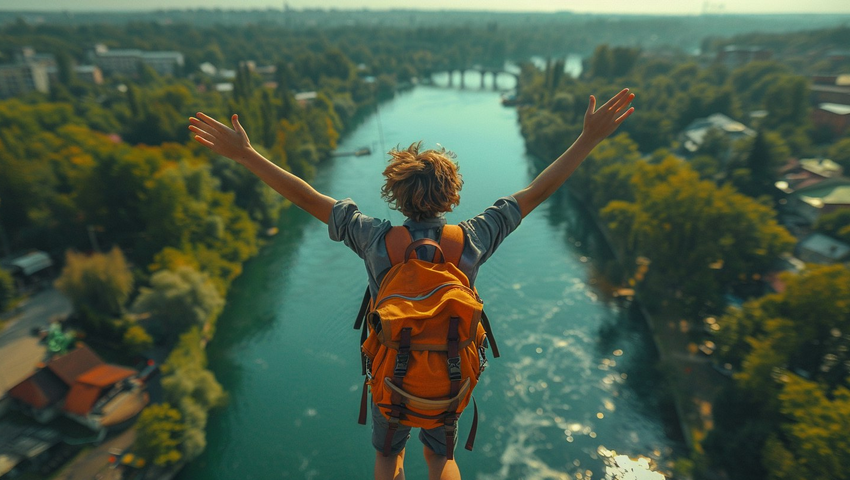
[(40, 390), (105, 375), (91, 385), (74, 363)]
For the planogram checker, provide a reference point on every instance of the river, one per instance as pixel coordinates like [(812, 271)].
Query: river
[(575, 381)]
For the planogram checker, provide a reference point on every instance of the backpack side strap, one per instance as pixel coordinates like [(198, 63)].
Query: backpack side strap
[(451, 243), (397, 240)]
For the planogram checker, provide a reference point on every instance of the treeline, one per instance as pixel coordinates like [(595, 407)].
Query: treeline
[(693, 233), (816, 51), (530, 33)]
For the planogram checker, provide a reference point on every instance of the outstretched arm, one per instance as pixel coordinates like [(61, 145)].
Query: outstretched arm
[(233, 143), (598, 125)]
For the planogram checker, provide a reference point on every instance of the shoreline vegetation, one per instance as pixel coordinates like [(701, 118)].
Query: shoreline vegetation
[(108, 169), (698, 236)]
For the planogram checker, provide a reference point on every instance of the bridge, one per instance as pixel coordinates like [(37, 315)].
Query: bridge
[(483, 71)]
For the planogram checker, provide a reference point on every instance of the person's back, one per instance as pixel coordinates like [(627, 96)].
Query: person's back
[(423, 186)]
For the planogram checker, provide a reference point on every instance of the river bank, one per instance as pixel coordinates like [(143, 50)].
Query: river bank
[(692, 380)]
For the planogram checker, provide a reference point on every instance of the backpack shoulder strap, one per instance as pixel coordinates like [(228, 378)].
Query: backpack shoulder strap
[(397, 240), (451, 243)]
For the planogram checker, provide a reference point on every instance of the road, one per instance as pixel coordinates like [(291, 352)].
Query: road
[(20, 352)]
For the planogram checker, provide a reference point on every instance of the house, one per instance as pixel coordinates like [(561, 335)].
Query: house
[(82, 387), (806, 205), (830, 94), (819, 248), (42, 394), (30, 269), (693, 135), (797, 174), (832, 116)]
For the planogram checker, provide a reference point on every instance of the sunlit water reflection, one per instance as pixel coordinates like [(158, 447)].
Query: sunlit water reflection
[(576, 380)]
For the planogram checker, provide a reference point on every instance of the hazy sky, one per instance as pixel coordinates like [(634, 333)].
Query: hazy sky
[(601, 6)]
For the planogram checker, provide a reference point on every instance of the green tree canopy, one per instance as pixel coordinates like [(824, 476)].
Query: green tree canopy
[(101, 282), (180, 299), (158, 434)]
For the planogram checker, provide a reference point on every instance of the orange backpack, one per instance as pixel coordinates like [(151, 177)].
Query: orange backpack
[(423, 338)]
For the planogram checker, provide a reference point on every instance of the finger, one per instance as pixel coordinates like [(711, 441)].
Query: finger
[(201, 133), (623, 103), (234, 119), (212, 122), (625, 116), (591, 105), (615, 98), (204, 141)]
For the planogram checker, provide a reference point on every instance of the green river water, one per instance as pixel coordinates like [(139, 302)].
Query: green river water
[(575, 381)]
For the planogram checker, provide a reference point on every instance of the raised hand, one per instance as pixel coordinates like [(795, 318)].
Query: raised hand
[(599, 124), (233, 142)]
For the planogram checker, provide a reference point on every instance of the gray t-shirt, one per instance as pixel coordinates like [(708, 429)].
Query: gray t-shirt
[(365, 236)]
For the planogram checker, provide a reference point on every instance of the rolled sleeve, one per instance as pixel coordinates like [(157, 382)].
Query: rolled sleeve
[(489, 229), (348, 225)]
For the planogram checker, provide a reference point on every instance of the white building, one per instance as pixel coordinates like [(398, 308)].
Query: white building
[(22, 79), (126, 61)]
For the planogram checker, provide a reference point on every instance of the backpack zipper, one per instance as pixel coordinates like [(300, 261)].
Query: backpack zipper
[(422, 297)]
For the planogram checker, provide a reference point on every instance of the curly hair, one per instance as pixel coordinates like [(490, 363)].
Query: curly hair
[(421, 184)]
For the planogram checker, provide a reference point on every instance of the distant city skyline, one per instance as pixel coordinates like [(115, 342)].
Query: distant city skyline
[(687, 7)]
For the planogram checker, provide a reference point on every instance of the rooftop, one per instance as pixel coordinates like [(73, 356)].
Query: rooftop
[(74, 363), (835, 108), (826, 246)]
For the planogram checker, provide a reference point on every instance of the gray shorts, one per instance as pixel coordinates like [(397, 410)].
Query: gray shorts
[(434, 438)]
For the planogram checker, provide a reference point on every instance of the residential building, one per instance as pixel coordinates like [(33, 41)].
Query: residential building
[(164, 63), (21, 79), (29, 269), (797, 174), (807, 204), (822, 249), (89, 73), (832, 116), (127, 61), (694, 134), (834, 93), (42, 395), (84, 388)]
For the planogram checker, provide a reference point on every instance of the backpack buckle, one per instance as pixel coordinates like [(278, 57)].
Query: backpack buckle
[(401, 361), (451, 425), (454, 369)]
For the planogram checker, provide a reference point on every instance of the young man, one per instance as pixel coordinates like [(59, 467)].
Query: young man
[(423, 186)]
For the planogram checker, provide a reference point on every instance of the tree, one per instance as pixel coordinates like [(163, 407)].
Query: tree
[(786, 100), (835, 224), (602, 62), (755, 163), (136, 340), (774, 342), (7, 289), (840, 154), (687, 226), (180, 299), (100, 282), (817, 433), (158, 434), (189, 385)]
